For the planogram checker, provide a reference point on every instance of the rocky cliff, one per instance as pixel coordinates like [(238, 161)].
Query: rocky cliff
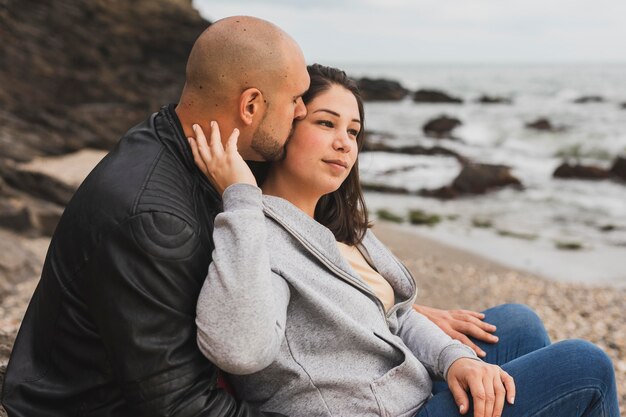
[(74, 74)]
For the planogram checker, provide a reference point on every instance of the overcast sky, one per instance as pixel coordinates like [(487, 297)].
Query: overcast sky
[(474, 31)]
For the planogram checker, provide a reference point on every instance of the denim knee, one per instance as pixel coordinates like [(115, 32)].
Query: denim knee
[(596, 362), (520, 321)]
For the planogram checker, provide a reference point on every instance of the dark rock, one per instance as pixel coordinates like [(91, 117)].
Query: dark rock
[(589, 99), (434, 96), (14, 215), (623, 105), (565, 170), (37, 184), (17, 262), (619, 168), (444, 193), (66, 85), (381, 89), (44, 216), (480, 178), (485, 99), (412, 150), (475, 179), (381, 188), (441, 127), (544, 125)]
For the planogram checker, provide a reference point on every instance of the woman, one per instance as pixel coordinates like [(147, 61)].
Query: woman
[(311, 315)]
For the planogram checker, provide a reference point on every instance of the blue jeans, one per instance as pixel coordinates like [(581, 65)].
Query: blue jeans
[(568, 379)]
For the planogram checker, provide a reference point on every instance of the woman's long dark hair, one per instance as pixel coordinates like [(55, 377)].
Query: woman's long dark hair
[(342, 211)]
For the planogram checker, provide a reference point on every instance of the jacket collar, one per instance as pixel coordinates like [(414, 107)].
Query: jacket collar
[(171, 134), (315, 235)]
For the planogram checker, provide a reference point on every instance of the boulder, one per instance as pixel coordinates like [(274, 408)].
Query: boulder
[(565, 170), (619, 168), (382, 188), (589, 99), (475, 179), (53, 178), (434, 96), (480, 178), (412, 150), (544, 125), (14, 215), (486, 99), (381, 89), (441, 127), (67, 85)]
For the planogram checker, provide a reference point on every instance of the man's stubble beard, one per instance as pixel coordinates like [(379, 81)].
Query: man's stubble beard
[(267, 146)]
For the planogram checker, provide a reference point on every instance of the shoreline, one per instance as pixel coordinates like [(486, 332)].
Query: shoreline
[(599, 266)]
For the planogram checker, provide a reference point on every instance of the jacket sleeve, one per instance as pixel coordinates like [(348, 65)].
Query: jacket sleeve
[(141, 291), (242, 308), (432, 347)]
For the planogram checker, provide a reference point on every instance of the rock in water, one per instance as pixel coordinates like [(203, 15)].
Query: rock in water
[(381, 89), (542, 124), (434, 96), (565, 170), (479, 178), (441, 127), (589, 99), (619, 168)]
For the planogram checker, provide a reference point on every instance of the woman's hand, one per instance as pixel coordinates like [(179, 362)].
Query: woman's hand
[(488, 385), (223, 166), (459, 324)]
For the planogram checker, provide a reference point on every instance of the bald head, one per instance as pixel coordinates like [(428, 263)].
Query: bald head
[(245, 73), (236, 53)]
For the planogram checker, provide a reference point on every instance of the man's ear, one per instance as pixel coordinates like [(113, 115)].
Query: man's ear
[(251, 105)]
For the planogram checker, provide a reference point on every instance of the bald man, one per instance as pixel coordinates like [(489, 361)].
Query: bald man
[(110, 329)]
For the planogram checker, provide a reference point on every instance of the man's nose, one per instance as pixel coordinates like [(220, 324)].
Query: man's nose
[(300, 111)]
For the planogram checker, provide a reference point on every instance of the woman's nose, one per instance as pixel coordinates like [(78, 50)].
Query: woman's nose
[(342, 142)]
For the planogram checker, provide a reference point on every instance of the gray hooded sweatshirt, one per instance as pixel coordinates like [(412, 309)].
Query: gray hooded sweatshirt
[(299, 332)]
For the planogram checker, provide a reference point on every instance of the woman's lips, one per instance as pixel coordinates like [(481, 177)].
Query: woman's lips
[(337, 163)]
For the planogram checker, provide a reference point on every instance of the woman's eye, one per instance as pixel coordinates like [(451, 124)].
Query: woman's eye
[(326, 123), (353, 132)]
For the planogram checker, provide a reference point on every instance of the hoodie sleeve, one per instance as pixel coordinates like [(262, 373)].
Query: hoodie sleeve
[(434, 349), (242, 307)]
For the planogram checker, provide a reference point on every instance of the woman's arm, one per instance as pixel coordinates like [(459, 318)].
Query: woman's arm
[(242, 307), (434, 349), (241, 311)]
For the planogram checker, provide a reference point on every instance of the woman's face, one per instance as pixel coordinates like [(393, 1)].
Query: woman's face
[(323, 148)]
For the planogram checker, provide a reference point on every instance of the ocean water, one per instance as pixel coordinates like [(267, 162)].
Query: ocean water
[(528, 226)]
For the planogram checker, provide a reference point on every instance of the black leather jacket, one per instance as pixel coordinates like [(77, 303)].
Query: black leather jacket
[(110, 330)]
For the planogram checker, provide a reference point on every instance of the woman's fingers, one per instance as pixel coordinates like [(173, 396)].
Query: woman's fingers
[(467, 341), (479, 397), (459, 394), (196, 156), (203, 146), (215, 141), (231, 145), (500, 392), (509, 385)]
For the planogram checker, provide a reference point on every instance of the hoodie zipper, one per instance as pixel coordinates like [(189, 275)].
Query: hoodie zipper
[(341, 273)]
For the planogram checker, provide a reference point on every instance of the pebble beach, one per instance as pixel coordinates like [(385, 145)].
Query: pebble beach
[(447, 278)]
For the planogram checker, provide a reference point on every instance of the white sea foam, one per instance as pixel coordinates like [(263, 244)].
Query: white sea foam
[(549, 210)]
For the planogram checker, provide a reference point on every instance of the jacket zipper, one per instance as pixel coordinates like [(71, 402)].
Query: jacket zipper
[(338, 271)]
